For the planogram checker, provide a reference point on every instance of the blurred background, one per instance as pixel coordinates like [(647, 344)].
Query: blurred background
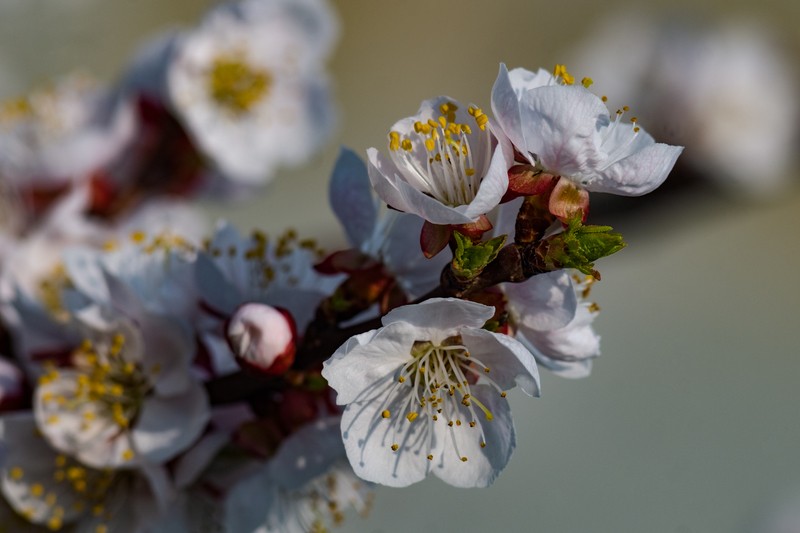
[(690, 421)]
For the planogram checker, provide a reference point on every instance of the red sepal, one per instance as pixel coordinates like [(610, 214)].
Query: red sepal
[(569, 200), (433, 238)]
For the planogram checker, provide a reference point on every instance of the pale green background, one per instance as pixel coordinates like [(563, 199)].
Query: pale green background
[(689, 423)]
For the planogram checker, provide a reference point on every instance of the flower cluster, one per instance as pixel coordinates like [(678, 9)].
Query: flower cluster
[(159, 375)]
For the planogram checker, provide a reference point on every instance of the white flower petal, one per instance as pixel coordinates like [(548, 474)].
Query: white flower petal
[(308, 453), (505, 106), (351, 197), (364, 361), (483, 463), (168, 425), (561, 125), (369, 438), (543, 302), (441, 314), (509, 362), (493, 185), (639, 173)]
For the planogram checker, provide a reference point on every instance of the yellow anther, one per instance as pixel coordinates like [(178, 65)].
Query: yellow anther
[(469, 171), (52, 419), (430, 457), (37, 490), (98, 509), (79, 485), (487, 370), (458, 422), (128, 455), (138, 236), (395, 447), (407, 146), (102, 528), (16, 473), (432, 123), (60, 460), (412, 416), (626, 108), (430, 144), (604, 98), (55, 523), (464, 459), (634, 120), (385, 413), (75, 472), (450, 423), (636, 129), (587, 82), (394, 140), (401, 379), (560, 71), (594, 308), (503, 394), (472, 424), (483, 444)]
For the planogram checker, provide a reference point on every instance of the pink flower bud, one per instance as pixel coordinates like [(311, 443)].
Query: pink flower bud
[(262, 338)]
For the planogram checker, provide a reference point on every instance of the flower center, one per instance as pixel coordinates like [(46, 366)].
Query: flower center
[(107, 385), (440, 376), (448, 171), (269, 263), (236, 86)]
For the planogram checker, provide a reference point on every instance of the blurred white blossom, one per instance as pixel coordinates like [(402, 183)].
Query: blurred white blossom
[(726, 90)]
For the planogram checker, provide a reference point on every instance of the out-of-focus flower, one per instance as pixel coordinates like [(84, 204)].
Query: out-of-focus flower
[(56, 136), (152, 269), (552, 317), (565, 132), (127, 397), (53, 490), (306, 486), (444, 164), (726, 90), (426, 394), (250, 85)]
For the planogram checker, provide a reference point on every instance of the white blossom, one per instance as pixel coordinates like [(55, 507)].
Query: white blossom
[(444, 164), (127, 397), (566, 131), (249, 83), (426, 394)]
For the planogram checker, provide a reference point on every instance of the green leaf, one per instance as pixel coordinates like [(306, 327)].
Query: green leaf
[(580, 246), (470, 258)]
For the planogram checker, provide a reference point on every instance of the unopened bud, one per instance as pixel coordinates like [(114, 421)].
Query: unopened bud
[(262, 338)]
